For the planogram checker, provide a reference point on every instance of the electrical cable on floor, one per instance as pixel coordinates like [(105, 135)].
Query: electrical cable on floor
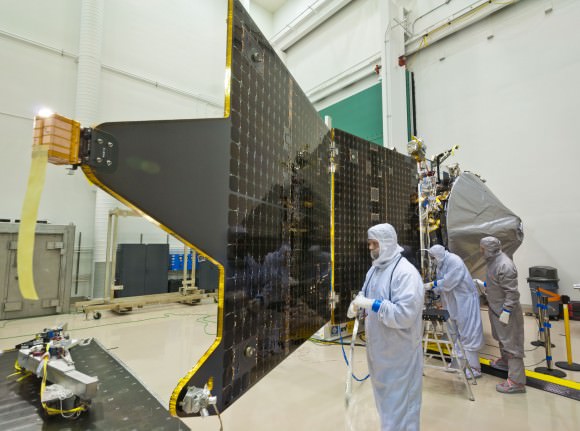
[(207, 322), (537, 363), (219, 417), (346, 360), (165, 316), (332, 343)]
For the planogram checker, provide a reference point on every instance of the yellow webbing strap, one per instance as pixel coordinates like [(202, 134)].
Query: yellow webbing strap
[(27, 227), (19, 372), (50, 410)]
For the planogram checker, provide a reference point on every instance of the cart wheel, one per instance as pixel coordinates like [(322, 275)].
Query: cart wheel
[(96, 315)]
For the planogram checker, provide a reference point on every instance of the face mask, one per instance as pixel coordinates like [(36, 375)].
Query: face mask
[(374, 254)]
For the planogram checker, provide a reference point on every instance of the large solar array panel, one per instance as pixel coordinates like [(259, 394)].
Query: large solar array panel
[(277, 282), (257, 204), (372, 185)]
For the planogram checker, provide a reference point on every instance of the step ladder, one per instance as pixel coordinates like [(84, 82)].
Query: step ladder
[(440, 330)]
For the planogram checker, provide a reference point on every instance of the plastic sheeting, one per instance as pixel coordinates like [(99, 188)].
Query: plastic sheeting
[(474, 212)]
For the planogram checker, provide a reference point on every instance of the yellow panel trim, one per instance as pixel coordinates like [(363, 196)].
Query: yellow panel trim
[(332, 317), (229, 47), (220, 314), (332, 161), (221, 283)]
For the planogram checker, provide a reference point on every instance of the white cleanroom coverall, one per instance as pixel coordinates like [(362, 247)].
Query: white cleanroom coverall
[(394, 331), (461, 299)]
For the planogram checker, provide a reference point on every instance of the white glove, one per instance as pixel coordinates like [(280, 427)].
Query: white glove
[(362, 301), (504, 317), (480, 285), (428, 286), (352, 309)]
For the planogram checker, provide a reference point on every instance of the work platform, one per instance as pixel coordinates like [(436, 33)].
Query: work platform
[(121, 403)]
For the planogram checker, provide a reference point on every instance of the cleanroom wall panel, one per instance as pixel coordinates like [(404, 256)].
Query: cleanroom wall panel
[(149, 42), (54, 23), (288, 12), (426, 13), (510, 103), (359, 114), (30, 79), (180, 43), (263, 19), (351, 36)]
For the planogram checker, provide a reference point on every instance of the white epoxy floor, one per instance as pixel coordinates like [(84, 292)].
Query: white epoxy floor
[(306, 392)]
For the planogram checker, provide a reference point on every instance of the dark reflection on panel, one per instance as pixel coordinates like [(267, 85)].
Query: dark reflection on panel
[(372, 185), (277, 271)]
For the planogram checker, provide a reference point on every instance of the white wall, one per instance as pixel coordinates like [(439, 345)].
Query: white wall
[(512, 104), (426, 13), (348, 37), (263, 18), (288, 12), (157, 57), (32, 77)]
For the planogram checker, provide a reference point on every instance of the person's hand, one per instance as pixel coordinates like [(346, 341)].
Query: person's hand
[(428, 286), (352, 310), (480, 285), (362, 301), (504, 317)]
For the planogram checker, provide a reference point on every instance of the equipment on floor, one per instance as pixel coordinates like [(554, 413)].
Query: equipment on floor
[(544, 277), (53, 258), (569, 364), (47, 356), (136, 275), (543, 296), (121, 401), (437, 333)]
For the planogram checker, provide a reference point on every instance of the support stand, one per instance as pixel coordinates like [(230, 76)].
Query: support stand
[(569, 365), (543, 306)]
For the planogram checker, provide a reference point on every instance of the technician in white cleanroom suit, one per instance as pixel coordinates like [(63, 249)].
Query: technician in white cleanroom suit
[(461, 299), (392, 296), (505, 315)]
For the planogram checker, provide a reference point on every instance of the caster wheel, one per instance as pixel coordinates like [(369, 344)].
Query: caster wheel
[(96, 315)]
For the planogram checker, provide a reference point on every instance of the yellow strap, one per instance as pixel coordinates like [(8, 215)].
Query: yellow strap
[(27, 227), (19, 372), (50, 410)]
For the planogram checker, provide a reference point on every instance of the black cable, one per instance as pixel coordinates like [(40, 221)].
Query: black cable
[(537, 363), (338, 343)]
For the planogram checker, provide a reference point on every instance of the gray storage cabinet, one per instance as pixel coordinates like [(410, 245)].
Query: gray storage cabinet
[(52, 266), (142, 269)]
